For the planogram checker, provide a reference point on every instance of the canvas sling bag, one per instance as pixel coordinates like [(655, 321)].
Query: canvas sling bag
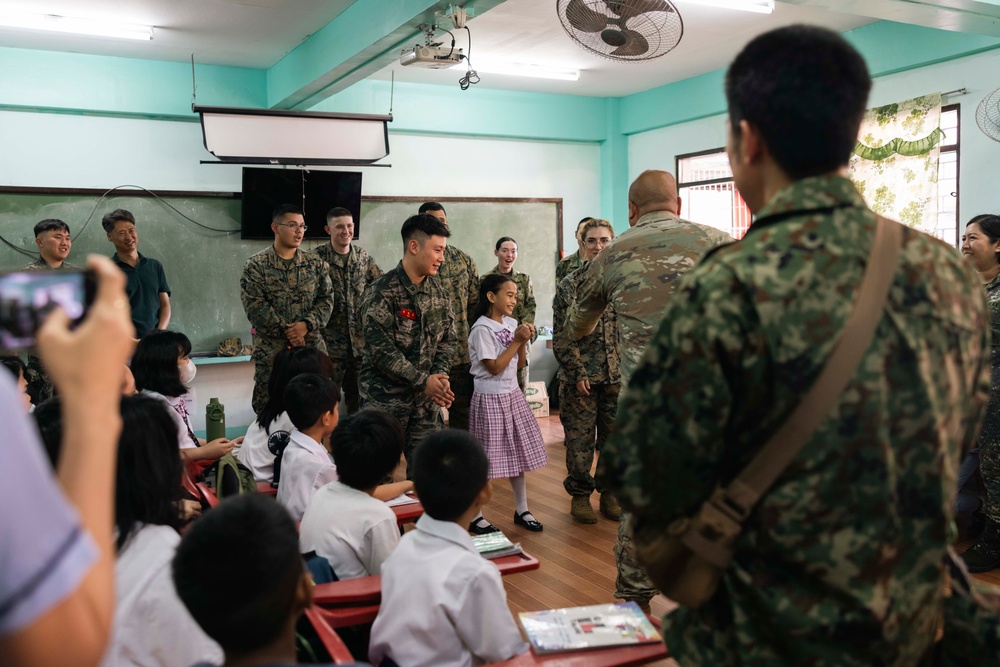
[(687, 559)]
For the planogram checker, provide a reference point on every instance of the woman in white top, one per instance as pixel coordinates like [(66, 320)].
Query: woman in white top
[(152, 627), (163, 369), (268, 436), (499, 416)]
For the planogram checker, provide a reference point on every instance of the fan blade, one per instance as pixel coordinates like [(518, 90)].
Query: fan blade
[(628, 10), (635, 45), (583, 18)]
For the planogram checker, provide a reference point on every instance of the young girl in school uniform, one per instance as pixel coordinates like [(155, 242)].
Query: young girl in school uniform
[(499, 416)]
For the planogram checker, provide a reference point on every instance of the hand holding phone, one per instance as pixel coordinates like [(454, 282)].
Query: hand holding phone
[(27, 298)]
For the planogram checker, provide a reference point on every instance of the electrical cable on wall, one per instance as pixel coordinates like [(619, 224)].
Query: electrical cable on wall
[(471, 76), (33, 253)]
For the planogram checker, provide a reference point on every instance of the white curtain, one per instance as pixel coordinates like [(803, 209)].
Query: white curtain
[(895, 161)]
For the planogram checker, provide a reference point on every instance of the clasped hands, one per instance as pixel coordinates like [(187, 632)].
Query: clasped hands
[(296, 333), (438, 389)]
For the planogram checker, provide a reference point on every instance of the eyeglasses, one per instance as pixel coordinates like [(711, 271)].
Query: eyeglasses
[(601, 241), (291, 225)]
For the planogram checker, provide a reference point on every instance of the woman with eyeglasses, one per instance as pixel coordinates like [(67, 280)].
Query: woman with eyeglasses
[(524, 311)]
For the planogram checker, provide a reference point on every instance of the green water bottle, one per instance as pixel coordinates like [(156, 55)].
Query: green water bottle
[(215, 420)]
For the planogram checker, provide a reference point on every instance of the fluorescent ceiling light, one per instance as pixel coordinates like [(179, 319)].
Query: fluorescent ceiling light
[(758, 6), (521, 69), (75, 26)]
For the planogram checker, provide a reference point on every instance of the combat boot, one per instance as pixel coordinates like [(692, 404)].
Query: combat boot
[(985, 553), (610, 507), (582, 511)]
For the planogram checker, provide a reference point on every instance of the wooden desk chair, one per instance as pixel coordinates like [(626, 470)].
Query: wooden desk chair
[(267, 489), (407, 513), (206, 495), (331, 640)]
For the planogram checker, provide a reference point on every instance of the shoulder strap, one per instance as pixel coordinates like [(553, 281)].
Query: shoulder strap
[(772, 460)]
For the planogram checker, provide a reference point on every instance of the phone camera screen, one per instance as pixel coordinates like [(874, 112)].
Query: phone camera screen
[(26, 299)]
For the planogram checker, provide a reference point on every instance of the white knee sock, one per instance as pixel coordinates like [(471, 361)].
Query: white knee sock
[(520, 489)]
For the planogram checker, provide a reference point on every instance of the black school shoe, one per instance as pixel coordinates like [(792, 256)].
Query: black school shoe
[(476, 529), (530, 524)]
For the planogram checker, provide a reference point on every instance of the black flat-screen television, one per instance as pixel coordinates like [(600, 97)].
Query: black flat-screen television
[(315, 192)]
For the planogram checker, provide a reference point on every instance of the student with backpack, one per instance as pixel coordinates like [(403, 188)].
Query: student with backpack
[(500, 417), (163, 369), (149, 617), (267, 437), (344, 522)]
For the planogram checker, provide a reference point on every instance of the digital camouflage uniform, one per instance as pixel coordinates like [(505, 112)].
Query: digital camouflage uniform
[(567, 265), (524, 313), (459, 277), (636, 274), (350, 274), (275, 293), (595, 358), (39, 386), (841, 561), (409, 334), (989, 436)]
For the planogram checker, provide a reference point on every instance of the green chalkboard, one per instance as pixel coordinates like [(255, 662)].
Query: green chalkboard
[(203, 266)]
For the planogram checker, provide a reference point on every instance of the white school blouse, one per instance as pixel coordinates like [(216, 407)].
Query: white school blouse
[(152, 626), (255, 452), (305, 467), (352, 530), (485, 343), (185, 436), (443, 605)]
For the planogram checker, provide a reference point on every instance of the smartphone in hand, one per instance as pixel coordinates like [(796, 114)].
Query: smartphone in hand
[(27, 298)]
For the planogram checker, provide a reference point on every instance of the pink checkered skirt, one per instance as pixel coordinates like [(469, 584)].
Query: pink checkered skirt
[(508, 431)]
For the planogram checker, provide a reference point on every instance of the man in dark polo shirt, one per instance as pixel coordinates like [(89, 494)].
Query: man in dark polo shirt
[(147, 289)]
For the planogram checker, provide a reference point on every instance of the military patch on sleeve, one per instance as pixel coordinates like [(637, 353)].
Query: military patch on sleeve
[(380, 313)]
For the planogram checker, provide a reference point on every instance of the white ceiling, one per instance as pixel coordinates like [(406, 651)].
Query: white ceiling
[(257, 33), (241, 33)]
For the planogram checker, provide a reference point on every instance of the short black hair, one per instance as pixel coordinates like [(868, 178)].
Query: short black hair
[(50, 225), (425, 225), (308, 397), (338, 212), (285, 209), (13, 363), (287, 364), (366, 447), (431, 206), (805, 89), (154, 362), (449, 470), (148, 472), (237, 570), (108, 221)]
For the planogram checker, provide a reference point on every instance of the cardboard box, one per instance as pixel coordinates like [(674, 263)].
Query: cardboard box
[(538, 398)]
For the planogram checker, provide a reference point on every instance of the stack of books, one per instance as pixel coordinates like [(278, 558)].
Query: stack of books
[(495, 545)]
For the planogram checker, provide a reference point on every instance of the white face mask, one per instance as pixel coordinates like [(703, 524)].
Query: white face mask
[(188, 371)]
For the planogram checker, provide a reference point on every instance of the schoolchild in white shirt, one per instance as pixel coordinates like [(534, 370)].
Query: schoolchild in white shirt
[(311, 402), (344, 523), (499, 416), (268, 435), (239, 572), (443, 605)]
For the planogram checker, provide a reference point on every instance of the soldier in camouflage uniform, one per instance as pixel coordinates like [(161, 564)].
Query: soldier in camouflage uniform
[(287, 297), (637, 274), (524, 311), (409, 335), (351, 271), (460, 279), (590, 379), (54, 242), (841, 561), (572, 261)]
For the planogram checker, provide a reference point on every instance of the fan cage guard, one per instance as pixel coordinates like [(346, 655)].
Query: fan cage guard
[(662, 30), (988, 115)]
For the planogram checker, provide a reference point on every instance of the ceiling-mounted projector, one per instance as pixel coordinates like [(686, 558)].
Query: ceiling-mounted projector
[(432, 57)]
